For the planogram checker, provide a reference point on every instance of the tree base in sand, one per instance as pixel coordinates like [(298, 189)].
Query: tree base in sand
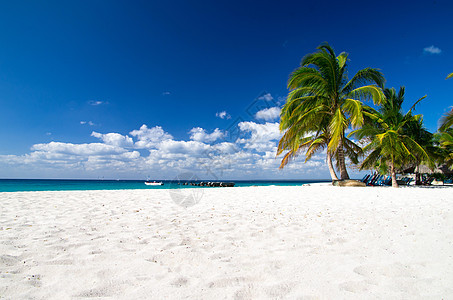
[(348, 182)]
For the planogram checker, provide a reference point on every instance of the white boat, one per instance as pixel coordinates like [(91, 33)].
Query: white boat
[(154, 183)]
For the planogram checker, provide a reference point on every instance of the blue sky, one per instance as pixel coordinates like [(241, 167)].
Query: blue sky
[(79, 79)]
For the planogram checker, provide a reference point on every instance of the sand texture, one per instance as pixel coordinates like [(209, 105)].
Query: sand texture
[(306, 242)]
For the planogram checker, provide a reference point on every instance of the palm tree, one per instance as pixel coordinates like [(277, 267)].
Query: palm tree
[(445, 137), (413, 128), (390, 146), (322, 103), (446, 121), (445, 134)]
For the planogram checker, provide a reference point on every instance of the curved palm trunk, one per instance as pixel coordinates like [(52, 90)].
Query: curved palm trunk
[(393, 172), (341, 162), (333, 175), (418, 180)]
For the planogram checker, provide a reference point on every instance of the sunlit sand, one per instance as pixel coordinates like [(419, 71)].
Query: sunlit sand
[(308, 242)]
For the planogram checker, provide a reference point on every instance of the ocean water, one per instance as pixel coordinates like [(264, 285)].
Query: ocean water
[(21, 185)]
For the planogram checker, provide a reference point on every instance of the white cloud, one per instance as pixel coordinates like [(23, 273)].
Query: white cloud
[(150, 137), (263, 137), (267, 97), (281, 100), (166, 93), (268, 114), (89, 123), (432, 50), (261, 132), (78, 149), (183, 147), (223, 115), (96, 102), (252, 156), (226, 148), (114, 139), (199, 134)]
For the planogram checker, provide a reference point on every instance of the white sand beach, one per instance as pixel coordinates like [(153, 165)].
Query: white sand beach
[(306, 242)]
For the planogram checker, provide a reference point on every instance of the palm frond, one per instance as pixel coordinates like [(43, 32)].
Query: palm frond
[(288, 117), (368, 92), (446, 121), (363, 132), (326, 47), (352, 151), (418, 151), (342, 59), (337, 128), (416, 102), (316, 145), (354, 109), (394, 101), (305, 76), (286, 159), (370, 161), (364, 77), (327, 66)]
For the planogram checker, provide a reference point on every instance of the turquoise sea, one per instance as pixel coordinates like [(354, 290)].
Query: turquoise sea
[(20, 185)]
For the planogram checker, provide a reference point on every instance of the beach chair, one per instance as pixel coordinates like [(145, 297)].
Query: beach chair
[(408, 180), (377, 180), (387, 181), (384, 180), (372, 179), (428, 181), (365, 178)]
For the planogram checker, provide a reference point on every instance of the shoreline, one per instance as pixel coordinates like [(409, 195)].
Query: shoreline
[(314, 184)]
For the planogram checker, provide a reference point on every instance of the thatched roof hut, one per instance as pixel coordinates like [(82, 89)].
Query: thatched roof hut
[(443, 169)]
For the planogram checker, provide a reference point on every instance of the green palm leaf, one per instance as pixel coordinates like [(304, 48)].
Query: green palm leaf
[(363, 77), (446, 121), (354, 109), (368, 92)]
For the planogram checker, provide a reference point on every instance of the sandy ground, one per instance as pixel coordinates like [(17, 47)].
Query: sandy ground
[(307, 242)]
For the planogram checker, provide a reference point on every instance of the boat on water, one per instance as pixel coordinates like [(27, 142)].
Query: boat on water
[(154, 183)]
